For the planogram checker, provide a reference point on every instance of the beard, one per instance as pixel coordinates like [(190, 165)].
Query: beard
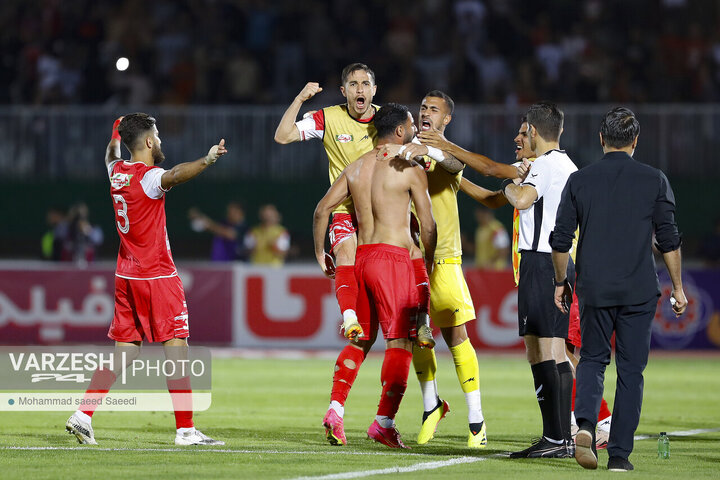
[(157, 155)]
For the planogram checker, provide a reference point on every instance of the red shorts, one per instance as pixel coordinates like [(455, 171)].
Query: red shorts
[(343, 226), (387, 294), (574, 329), (155, 309)]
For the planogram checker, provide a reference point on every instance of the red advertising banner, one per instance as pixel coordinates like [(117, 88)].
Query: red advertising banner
[(49, 304), (290, 307)]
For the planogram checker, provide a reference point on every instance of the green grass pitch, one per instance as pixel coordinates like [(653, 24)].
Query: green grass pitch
[(269, 412)]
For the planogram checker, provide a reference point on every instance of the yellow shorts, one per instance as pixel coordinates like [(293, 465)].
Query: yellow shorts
[(450, 301)]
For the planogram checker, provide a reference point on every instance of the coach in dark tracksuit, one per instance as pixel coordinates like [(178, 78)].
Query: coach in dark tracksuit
[(618, 204)]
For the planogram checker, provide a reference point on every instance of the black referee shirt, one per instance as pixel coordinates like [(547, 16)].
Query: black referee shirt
[(618, 204)]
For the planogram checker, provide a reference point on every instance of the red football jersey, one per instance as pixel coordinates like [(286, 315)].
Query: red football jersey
[(139, 203)]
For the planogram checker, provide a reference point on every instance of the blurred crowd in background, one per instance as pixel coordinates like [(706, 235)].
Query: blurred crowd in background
[(255, 51)]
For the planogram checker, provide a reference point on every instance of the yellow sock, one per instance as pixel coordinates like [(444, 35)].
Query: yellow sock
[(425, 364), (466, 366)]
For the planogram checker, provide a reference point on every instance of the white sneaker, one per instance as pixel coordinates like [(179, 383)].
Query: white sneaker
[(82, 430), (195, 437), (603, 433)]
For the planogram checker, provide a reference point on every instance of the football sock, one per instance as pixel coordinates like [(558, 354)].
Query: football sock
[(604, 411), (339, 409), (393, 378), (346, 370), (475, 413), (83, 416), (423, 284), (384, 421), (346, 288), (99, 386), (547, 380), (572, 400), (181, 396), (565, 376), (468, 373), (425, 364)]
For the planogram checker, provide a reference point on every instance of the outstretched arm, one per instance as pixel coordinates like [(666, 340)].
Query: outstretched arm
[(183, 172), (478, 162), (112, 152), (423, 207), (338, 192), (286, 131), (482, 195)]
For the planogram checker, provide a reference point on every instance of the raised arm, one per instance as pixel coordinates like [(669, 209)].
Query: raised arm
[(423, 207), (482, 195), (112, 152), (183, 172), (286, 131), (478, 162), (338, 192)]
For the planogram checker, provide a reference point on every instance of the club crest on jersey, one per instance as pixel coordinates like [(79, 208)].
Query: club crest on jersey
[(120, 180), (344, 138)]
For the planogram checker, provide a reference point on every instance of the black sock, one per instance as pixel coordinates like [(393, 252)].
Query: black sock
[(566, 382), (547, 383)]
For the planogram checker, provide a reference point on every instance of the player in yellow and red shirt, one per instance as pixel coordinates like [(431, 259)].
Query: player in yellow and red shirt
[(347, 133), (149, 296)]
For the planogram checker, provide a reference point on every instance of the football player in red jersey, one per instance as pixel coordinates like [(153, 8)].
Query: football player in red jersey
[(149, 296)]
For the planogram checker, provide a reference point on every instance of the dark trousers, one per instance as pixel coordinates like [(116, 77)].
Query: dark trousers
[(632, 324)]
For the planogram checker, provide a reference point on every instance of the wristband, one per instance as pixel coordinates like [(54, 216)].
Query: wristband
[(115, 133), (435, 153), (560, 284), (505, 183)]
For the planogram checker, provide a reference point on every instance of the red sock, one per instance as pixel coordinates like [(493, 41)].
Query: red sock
[(572, 402), (347, 366), (393, 378), (346, 288), (181, 395), (99, 386), (423, 284), (604, 411)]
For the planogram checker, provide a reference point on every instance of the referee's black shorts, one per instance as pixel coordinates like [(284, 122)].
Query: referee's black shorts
[(537, 313)]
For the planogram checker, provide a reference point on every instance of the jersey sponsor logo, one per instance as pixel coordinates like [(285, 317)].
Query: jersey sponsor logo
[(120, 180), (344, 138)]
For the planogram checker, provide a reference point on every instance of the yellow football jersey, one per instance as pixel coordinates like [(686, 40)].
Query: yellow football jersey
[(443, 187), (344, 138)]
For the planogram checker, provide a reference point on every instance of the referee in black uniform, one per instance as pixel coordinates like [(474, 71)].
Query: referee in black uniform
[(618, 204), (543, 328)]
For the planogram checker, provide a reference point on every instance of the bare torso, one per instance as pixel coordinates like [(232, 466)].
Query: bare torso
[(381, 194)]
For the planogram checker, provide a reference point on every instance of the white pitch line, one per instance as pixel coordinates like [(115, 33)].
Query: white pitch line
[(225, 450), (384, 471), (680, 433)]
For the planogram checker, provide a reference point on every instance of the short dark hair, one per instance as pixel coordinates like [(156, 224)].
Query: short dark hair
[(440, 94), (354, 67), (619, 127), (133, 126), (547, 119), (389, 117)]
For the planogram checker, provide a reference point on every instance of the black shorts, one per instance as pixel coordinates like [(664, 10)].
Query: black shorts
[(537, 313)]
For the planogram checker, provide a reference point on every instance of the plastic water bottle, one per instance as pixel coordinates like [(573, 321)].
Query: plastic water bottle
[(663, 446)]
